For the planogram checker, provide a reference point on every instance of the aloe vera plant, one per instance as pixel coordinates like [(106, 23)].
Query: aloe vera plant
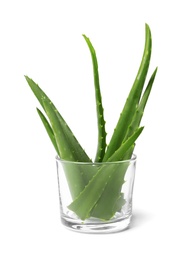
[(92, 191)]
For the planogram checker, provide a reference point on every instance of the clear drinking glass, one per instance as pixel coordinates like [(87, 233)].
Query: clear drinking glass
[(96, 197)]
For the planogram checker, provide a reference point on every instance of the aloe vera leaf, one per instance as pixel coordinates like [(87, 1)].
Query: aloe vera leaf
[(48, 129), (73, 173), (87, 199), (100, 114), (109, 201), (112, 199), (140, 110), (132, 100), (80, 154), (71, 149)]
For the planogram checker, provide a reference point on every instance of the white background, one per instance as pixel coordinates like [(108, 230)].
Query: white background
[(42, 39)]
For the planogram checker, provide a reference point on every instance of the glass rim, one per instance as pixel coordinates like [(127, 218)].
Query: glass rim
[(132, 159)]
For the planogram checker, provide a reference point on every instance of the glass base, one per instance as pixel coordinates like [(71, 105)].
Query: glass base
[(94, 225)]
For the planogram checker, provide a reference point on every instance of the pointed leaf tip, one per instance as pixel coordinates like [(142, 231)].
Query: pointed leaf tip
[(147, 26), (85, 37)]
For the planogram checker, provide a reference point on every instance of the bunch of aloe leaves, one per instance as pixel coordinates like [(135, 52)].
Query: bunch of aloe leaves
[(96, 192)]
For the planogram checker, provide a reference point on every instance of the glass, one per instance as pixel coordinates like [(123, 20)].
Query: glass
[(96, 197)]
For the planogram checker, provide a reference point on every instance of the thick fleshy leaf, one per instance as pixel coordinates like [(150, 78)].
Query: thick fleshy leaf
[(99, 108), (80, 154), (132, 100)]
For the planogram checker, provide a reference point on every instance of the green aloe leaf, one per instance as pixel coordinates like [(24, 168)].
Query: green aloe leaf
[(80, 154), (73, 174), (132, 100), (112, 199), (67, 145), (100, 115)]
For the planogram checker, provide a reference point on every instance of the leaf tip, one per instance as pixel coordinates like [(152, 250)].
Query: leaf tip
[(85, 37), (26, 77), (147, 26)]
